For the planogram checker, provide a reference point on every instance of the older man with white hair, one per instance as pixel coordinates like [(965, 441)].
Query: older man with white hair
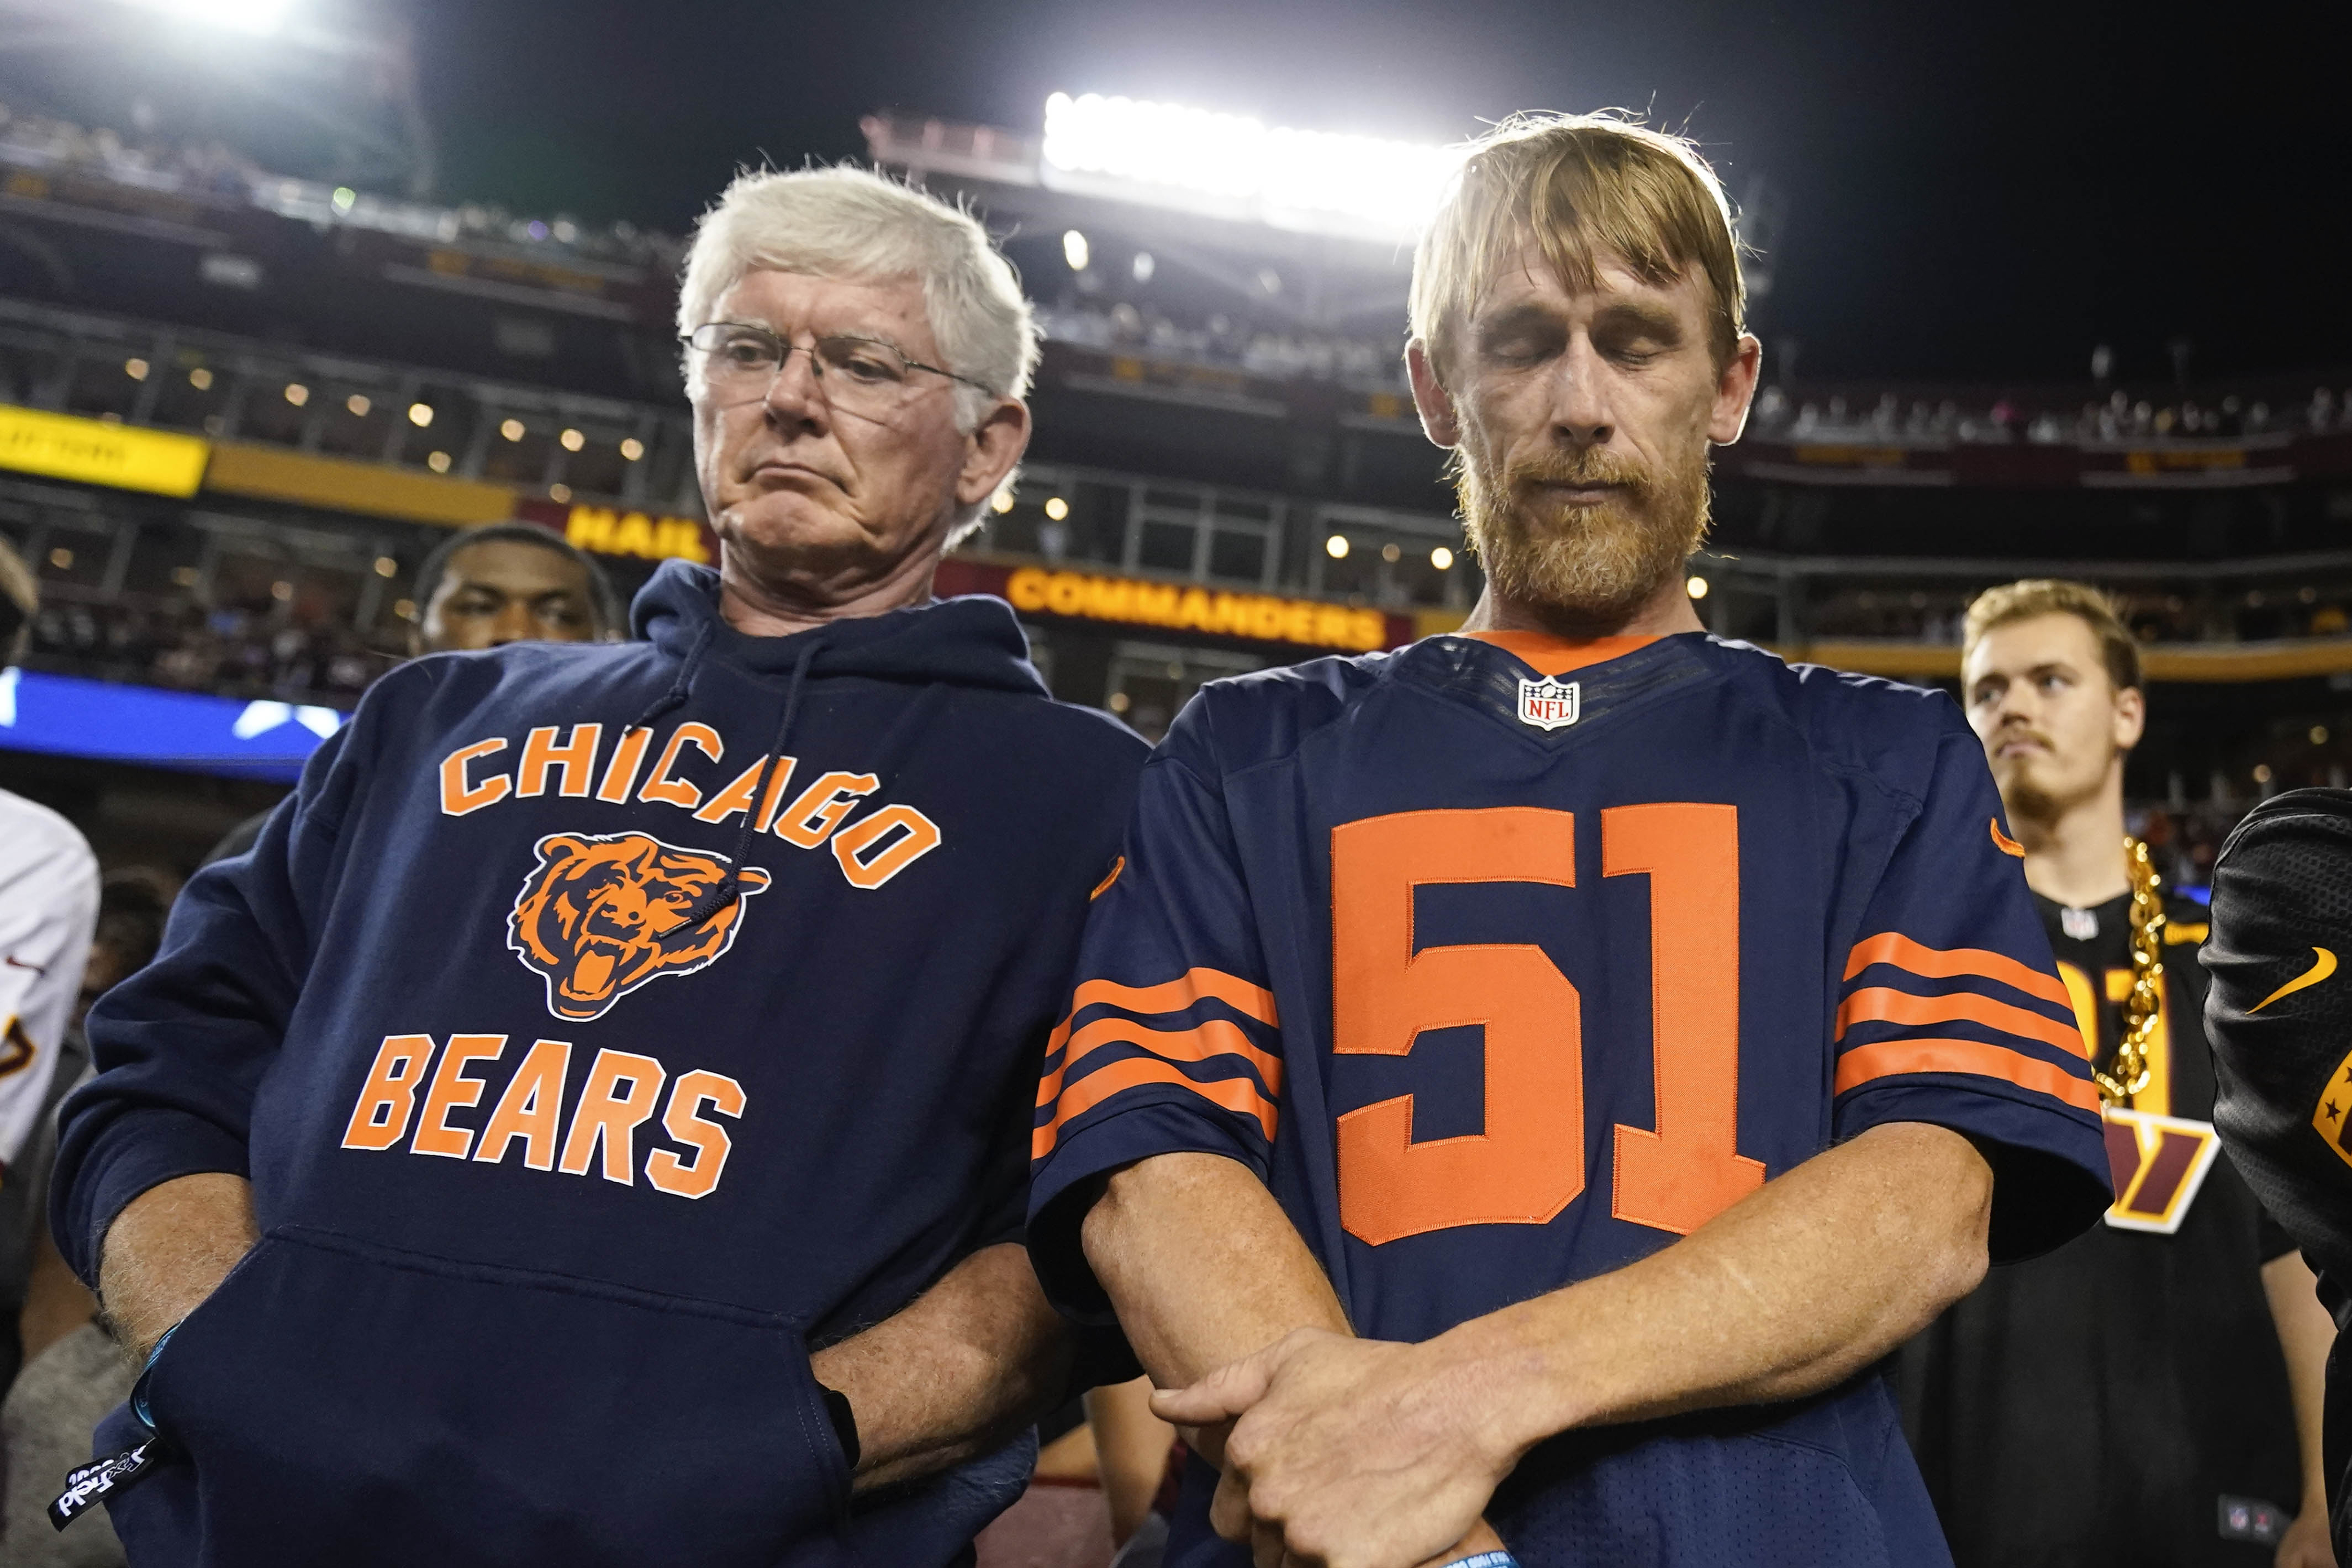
[(590, 1127)]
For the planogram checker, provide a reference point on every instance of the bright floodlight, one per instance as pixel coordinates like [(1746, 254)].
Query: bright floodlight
[(1232, 165), (245, 16), (1074, 250)]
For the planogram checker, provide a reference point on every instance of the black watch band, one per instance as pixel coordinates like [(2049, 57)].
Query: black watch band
[(845, 1422)]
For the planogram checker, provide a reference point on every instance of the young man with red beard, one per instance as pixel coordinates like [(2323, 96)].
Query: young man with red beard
[(1518, 1089)]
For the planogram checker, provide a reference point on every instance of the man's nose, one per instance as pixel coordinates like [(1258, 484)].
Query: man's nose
[(795, 396), (1580, 414), (515, 623)]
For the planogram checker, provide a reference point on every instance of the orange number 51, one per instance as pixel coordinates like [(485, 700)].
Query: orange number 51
[(1528, 1163)]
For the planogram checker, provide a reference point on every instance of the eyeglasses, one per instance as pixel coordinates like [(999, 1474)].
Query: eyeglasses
[(858, 376)]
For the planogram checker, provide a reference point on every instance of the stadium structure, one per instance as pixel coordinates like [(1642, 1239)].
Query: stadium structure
[(239, 402)]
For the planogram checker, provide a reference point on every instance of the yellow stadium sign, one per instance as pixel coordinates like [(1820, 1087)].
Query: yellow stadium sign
[(1178, 608), (611, 532), (94, 452)]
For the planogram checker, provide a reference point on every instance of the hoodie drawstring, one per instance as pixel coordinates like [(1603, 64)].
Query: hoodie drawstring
[(683, 687), (729, 888)]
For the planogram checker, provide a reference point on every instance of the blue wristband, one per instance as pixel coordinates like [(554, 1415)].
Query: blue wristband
[(1485, 1560), (139, 1389)]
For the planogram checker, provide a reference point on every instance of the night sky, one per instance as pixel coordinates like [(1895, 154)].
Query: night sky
[(1977, 192)]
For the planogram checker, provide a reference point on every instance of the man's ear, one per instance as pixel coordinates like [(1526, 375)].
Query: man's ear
[(2131, 716), (997, 443), (1735, 389), (1430, 399)]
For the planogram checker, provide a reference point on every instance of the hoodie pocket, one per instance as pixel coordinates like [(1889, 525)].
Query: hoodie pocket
[(341, 1402)]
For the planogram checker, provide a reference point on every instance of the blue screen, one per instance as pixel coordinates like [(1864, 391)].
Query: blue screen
[(188, 731)]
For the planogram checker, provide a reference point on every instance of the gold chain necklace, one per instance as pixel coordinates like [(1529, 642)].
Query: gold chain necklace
[(2141, 1008)]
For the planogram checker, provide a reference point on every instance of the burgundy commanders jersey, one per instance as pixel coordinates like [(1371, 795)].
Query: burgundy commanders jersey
[(1505, 961)]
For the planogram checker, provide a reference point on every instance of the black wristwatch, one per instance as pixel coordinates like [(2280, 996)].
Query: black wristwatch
[(845, 1422)]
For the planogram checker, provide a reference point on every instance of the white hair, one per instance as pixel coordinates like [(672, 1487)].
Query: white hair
[(857, 226)]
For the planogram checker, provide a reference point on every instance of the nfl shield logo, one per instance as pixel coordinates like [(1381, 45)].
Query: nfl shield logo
[(1549, 704)]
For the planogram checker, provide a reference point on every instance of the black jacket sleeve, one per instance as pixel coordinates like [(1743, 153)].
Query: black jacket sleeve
[(2280, 1017), (181, 1046)]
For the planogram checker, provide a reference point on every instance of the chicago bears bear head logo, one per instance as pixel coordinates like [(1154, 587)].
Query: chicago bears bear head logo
[(604, 913)]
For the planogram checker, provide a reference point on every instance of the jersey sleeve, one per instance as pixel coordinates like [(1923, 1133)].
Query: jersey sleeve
[(1171, 1043), (1951, 1013)]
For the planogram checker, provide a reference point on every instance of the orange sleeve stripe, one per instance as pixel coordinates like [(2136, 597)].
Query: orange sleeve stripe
[(1880, 1004), (1214, 1038), (1889, 1058), (1236, 1094), (1174, 996), (1942, 964)]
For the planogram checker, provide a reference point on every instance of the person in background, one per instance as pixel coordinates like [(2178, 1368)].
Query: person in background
[(589, 1128), (2148, 1394), (501, 583), (49, 908), (2280, 1016), (510, 582), (73, 1372)]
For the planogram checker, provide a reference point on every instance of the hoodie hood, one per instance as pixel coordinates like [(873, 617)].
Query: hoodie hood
[(971, 641)]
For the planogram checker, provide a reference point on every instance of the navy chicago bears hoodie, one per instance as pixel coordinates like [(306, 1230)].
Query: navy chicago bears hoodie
[(600, 1027)]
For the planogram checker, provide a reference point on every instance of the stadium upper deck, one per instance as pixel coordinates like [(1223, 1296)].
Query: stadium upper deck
[(1226, 472)]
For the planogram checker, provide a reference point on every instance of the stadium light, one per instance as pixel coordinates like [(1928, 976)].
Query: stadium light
[(1698, 587), (1235, 166), (1336, 547), (241, 16), (1442, 558), (1074, 250)]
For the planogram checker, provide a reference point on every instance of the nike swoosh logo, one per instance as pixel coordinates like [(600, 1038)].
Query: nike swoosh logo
[(2322, 967), (16, 963), (2003, 841)]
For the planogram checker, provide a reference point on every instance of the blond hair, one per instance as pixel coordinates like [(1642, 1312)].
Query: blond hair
[(2032, 596), (1576, 186)]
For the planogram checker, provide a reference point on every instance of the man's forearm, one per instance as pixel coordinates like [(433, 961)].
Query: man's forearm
[(1202, 1265), (1791, 1290), (1205, 1269), (169, 1248), (958, 1372), (2306, 1333)]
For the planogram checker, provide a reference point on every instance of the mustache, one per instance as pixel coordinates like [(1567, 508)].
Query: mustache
[(2021, 733), (1592, 466)]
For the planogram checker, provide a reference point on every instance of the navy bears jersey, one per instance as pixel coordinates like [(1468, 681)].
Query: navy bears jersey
[(1502, 979)]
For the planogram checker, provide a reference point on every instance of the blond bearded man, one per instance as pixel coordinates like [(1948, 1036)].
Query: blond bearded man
[(1517, 1088), (2126, 1399)]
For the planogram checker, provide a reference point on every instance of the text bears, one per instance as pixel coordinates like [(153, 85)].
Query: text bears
[(618, 1097)]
